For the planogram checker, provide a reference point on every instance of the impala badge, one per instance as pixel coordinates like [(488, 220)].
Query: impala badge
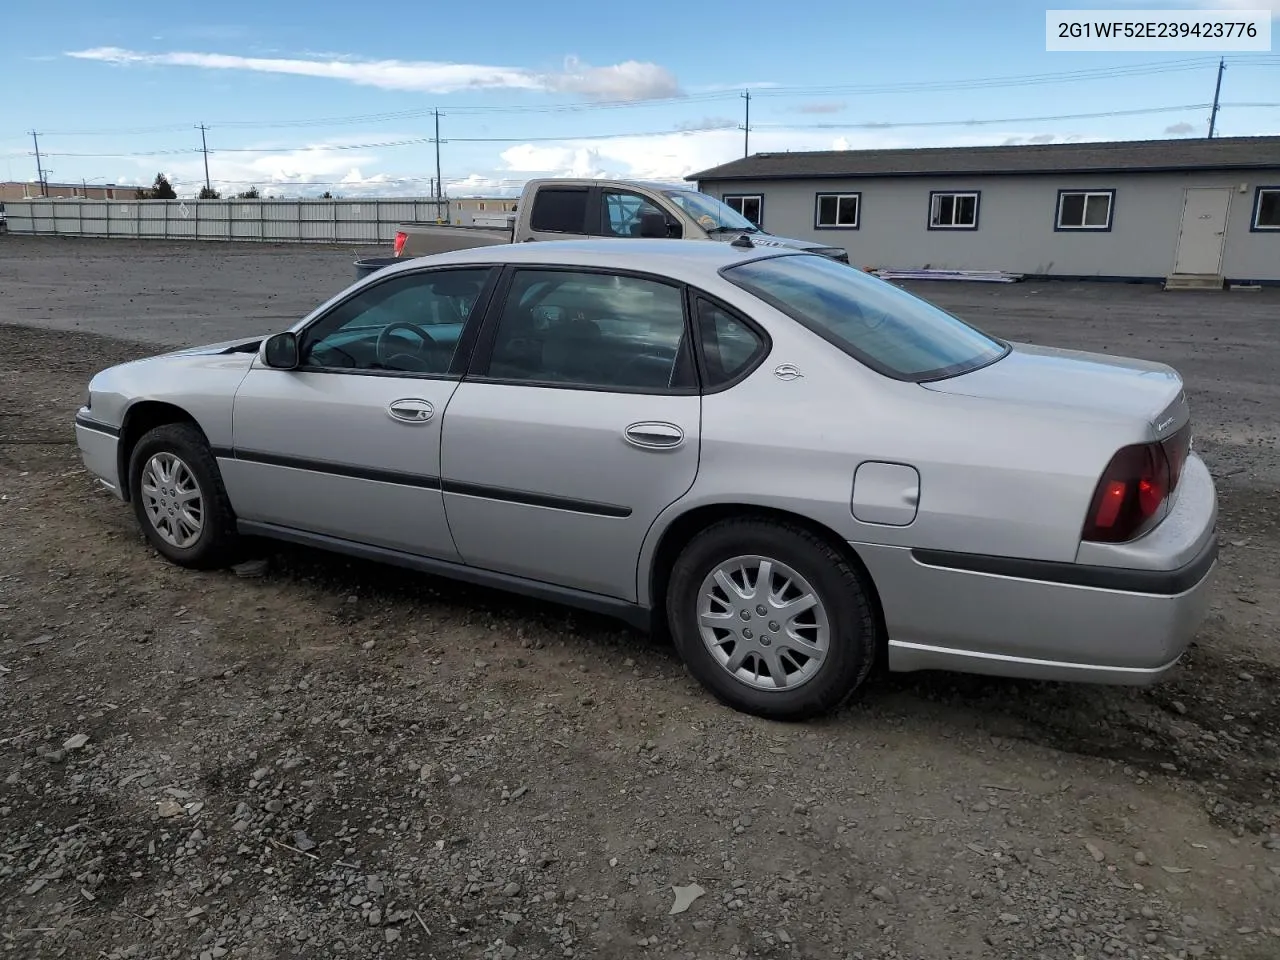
[(787, 371)]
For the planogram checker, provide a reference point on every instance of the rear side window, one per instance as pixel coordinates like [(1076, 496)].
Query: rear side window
[(891, 331), (559, 211), (729, 346)]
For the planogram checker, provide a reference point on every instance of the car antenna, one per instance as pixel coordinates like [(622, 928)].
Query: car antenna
[(742, 241)]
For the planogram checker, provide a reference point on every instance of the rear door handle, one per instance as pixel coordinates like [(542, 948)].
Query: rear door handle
[(654, 435), (410, 410)]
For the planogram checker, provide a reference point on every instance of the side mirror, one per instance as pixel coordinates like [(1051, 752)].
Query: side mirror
[(653, 225), (281, 351)]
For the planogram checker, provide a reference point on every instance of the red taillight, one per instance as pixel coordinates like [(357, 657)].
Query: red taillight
[(401, 237), (1131, 496)]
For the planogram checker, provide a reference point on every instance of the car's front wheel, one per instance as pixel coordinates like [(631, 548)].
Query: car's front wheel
[(771, 619), (179, 498)]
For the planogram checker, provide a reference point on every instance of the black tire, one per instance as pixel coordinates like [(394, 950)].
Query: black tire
[(216, 544), (840, 587)]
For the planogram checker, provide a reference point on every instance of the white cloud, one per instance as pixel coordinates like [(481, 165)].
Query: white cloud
[(707, 123), (671, 156), (821, 106), (632, 80), (1180, 129)]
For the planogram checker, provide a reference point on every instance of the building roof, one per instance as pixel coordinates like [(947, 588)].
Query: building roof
[(1128, 156)]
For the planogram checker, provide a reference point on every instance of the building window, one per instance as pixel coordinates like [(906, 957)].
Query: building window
[(750, 206), (480, 205), (1084, 209), (837, 211), (1266, 209), (953, 211)]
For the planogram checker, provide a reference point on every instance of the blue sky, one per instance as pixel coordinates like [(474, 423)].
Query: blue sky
[(300, 99)]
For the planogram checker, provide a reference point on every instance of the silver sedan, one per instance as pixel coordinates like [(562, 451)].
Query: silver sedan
[(797, 469)]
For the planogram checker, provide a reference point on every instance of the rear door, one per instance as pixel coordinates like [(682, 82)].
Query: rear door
[(577, 424), (559, 213)]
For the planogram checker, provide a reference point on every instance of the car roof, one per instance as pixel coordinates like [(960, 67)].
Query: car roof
[(688, 260)]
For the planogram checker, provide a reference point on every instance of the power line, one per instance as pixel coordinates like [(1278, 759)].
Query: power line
[(834, 125), (1068, 76), (877, 125)]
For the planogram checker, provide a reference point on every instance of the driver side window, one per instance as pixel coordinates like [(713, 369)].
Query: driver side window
[(410, 323), (620, 213)]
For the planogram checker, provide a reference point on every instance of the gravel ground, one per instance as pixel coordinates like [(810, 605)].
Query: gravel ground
[(316, 757)]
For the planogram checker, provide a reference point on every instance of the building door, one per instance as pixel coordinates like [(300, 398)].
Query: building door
[(1204, 230)]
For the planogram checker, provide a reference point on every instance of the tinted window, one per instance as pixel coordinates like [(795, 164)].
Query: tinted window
[(590, 329), (559, 211), (409, 323), (620, 213), (728, 344), (885, 327)]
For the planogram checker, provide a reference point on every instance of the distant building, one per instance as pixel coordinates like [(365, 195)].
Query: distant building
[(1194, 211), (464, 210), (17, 190)]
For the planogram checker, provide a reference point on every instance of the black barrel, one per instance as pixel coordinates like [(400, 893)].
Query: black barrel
[(372, 265)]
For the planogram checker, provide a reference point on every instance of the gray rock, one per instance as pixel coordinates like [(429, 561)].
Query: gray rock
[(884, 894), (251, 568), (76, 741)]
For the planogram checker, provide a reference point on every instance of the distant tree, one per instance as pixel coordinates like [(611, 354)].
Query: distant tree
[(326, 195), (162, 189), (208, 193), (250, 194)]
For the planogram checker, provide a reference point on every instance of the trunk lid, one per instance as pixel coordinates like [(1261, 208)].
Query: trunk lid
[(1093, 383)]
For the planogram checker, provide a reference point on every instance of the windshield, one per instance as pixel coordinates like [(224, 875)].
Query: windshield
[(711, 214), (883, 326)]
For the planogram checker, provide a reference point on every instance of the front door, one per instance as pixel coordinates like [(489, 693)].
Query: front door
[(576, 426), (1204, 230), (348, 444)]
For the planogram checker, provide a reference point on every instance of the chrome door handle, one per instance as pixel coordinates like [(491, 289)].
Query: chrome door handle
[(410, 410), (653, 435)]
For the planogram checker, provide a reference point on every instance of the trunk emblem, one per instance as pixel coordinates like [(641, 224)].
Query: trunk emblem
[(787, 371)]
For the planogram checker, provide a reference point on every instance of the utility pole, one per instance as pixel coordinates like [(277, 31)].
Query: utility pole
[(439, 188), (1217, 92), (746, 127), (204, 148), (44, 187)]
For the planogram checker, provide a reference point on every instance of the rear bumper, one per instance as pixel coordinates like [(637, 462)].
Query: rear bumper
[(99, 445), (1045, 621)]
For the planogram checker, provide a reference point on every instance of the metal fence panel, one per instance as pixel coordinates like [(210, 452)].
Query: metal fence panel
[(278, 221)]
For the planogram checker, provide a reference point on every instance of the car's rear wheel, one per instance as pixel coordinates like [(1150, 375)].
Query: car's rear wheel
[(179, 498), (771, 619)]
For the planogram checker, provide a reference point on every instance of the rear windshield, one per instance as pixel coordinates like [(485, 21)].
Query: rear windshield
[(883, 326)]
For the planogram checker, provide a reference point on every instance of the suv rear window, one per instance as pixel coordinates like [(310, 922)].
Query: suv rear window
[(559, 211), (891, 331)]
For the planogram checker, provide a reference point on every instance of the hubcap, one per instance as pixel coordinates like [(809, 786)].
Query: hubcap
[(763, 623), (172, 500)]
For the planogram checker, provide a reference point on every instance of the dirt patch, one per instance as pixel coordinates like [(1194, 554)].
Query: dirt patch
[(341, 759)]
